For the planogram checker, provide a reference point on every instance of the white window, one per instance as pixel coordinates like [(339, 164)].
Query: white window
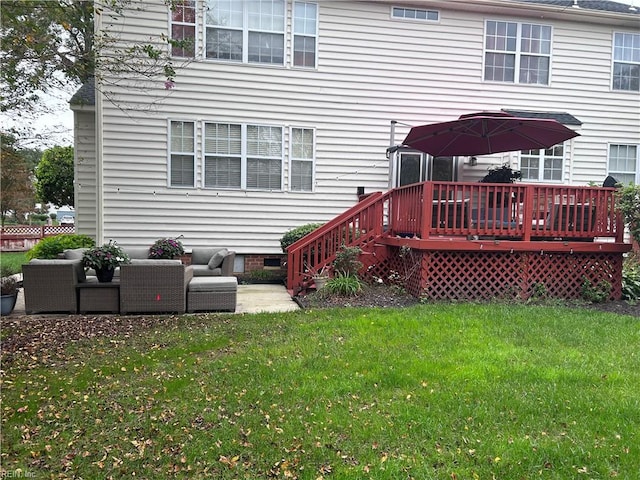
[(223, 155), (182, 154), (626, 62), (517, 52), (242, 156), (183, 28), (245, 31), (302, 155), (623, 163), (542, 165), (305, 34), (404, 13), (264, 158)]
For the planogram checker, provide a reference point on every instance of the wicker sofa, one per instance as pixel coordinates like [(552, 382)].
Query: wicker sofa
[(212, 262), (154, 286), (145, 285), (50, 285)]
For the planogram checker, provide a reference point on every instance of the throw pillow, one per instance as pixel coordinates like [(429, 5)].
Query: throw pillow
[(74, 253), (217, 258)]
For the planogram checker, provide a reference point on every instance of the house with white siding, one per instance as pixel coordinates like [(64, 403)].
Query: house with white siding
[(283, 111)]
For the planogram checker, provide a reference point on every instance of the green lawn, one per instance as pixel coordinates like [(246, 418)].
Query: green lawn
[(433, 391), (13, 261)]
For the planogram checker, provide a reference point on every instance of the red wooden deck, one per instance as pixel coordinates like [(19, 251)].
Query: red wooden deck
[(451, 240)]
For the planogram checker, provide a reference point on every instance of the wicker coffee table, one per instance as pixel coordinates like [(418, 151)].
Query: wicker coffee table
[(99, 297)]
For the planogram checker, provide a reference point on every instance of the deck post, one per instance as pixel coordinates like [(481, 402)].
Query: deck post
[(527, 213), (427, 210)]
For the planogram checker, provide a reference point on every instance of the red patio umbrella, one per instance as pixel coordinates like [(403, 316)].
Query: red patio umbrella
[(487, 132)]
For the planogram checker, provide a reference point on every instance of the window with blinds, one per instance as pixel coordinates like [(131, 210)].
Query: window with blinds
[(182, 154), (222, 155), (242, 156), (264, 157), (302, 155)]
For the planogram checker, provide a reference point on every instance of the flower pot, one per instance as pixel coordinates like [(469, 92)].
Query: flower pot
[(8, 302), (105, 275), (320, 282)]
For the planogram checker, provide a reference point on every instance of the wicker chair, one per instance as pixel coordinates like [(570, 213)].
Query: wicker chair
[(50, 285), (154, 286)]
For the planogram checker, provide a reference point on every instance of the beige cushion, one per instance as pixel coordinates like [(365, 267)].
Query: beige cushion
[(217, 258)]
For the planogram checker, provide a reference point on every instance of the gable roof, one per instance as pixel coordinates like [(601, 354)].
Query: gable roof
[(601, 5), (561, 117), (86, 94)]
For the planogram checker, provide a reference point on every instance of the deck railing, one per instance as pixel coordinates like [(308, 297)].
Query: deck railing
[(433, 210), (511, 211), (360, 224)]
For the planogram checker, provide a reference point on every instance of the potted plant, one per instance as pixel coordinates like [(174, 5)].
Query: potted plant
[(166, 248), (502, 174), (104, 260), (8, 294), (319, 276)]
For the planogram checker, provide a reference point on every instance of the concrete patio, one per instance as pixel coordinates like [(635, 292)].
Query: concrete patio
[(253, 298)]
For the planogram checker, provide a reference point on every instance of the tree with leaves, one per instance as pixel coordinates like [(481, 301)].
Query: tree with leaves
[(54, 176), (45, 44), (49, 44), (16, 187)]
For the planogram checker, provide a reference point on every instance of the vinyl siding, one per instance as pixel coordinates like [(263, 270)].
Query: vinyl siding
[(85, 172), (371, 70)]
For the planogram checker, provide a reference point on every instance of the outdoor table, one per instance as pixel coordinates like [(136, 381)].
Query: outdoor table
[(99, 297)]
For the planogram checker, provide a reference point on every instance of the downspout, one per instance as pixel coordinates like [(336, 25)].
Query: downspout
[(570, 159), (392, 155)]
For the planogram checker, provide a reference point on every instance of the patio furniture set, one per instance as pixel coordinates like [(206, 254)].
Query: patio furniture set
[(142, 286)]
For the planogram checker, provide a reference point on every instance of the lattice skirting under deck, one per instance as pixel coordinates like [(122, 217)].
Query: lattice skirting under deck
[(459, 275)]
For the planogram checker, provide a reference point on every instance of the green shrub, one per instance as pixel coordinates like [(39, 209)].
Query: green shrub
[(342, 284), (50, 247), (631, 279), (296, 234), (628, 203), (596, 293), (347, 262)]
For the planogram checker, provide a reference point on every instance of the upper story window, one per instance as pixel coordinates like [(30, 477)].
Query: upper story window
[(305, 34), (626, 62), (182, 154), (302, 155), (415, 14), (542, 165), (183, 28), (623, 163), (517, 52), (245, 31)]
